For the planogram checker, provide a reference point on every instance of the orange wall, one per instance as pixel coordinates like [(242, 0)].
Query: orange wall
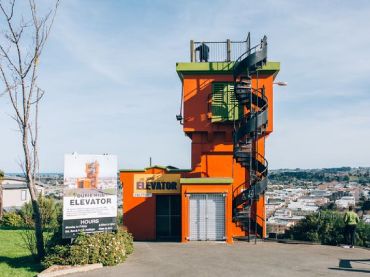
[(212, 144), (197, 91), (139, 213)]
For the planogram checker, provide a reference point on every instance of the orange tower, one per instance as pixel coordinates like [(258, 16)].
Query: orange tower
[(227, 112), (92, 176)]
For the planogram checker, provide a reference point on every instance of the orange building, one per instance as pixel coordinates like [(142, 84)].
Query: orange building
[(92, 176), (227, 113)]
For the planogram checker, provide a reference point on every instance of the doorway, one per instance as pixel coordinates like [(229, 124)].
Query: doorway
[(207, 217), (168, 217)]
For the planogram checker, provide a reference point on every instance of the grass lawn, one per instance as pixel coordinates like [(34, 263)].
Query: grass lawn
[(15, 259)]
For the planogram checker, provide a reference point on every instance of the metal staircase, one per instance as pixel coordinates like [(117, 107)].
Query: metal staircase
[(247, 131)]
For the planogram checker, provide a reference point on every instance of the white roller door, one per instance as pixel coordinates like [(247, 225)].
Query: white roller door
[(207, 217), (215, 217), (197, 217)]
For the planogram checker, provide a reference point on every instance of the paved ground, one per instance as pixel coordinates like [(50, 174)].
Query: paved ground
[(239, 259)]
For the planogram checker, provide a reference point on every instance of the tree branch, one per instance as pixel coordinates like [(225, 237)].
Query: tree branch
[(12, 100)]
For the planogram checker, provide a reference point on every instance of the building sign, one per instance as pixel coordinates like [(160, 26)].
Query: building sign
[(89, 194), (147, 184)]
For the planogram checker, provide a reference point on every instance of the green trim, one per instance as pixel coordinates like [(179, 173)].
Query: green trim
[(272, 68), (173, 170), (156, 166), (224, 67), (206, 180), (275, 66), (131, 170), (178, 170), (220, 68)]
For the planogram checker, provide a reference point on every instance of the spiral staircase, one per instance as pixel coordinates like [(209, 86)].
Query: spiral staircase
[(247, 131)]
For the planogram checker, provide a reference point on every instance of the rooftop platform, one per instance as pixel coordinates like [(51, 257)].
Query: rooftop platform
[(270, 68)]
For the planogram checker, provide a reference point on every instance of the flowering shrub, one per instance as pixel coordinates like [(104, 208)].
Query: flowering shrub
[(105, 248), (11, 219)]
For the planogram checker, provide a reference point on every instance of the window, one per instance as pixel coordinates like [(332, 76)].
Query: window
[(225, 106), (23, 195)]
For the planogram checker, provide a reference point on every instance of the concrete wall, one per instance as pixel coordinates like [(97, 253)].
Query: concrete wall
[(13, 198)]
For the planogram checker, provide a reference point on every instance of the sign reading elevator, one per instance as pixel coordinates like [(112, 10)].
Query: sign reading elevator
[(147, 184)]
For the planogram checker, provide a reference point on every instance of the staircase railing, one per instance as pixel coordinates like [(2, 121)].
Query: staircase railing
[(248, 130)]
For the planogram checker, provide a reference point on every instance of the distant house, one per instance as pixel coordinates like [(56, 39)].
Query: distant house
[(345, 202), (282, 221), (16, 194)]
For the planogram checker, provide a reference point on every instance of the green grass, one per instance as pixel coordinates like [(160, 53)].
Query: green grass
[(15, 259)]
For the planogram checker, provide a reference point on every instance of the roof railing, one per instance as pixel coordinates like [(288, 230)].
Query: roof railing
[(218, 51)]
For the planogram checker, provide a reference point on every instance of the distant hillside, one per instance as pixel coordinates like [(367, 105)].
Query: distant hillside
[(340, 174)]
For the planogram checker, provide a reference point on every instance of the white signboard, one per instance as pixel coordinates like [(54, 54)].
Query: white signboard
[(90, 194)]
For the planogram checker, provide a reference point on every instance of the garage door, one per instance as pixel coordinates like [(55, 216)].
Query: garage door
[(207, 217)]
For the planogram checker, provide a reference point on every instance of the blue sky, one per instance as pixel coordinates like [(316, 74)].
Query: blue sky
[(109, 73)]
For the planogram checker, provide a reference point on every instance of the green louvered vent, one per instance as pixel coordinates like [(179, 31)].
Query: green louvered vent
[(225, 106)]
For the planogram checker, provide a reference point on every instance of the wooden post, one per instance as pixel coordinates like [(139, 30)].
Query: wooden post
[(228, 50), (192, 51)]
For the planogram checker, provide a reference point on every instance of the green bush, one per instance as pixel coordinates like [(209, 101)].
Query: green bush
[(58, 255), (119, 218), (327, 227), (129, 242), (105, 248), (363, 234), (12, 219), (50, 212)]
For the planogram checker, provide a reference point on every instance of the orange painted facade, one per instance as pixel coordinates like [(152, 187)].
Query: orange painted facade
[(211, 158), (139, 212), (212, 144)]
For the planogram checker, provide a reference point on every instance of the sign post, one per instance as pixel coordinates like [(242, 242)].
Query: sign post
[(89, 194)]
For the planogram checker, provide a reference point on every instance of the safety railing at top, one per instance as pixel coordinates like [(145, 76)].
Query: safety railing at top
[(218, 51), (255, 48)]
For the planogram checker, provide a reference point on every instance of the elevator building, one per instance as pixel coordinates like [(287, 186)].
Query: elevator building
[(227, 113)]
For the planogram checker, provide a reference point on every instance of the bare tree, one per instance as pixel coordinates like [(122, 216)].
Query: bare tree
[(24, 37), (1, 194)]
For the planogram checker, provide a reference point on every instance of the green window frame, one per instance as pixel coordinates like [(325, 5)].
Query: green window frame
[(225, 106)]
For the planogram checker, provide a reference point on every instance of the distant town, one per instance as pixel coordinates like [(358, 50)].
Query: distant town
[(294, 194)]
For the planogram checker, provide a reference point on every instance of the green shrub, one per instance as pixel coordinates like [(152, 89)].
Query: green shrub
[(119, 218), (12, 219), (50, 211), (327, 227), (128, 240), (59, 255), (105, 248), (363, 234), (26, 212)]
